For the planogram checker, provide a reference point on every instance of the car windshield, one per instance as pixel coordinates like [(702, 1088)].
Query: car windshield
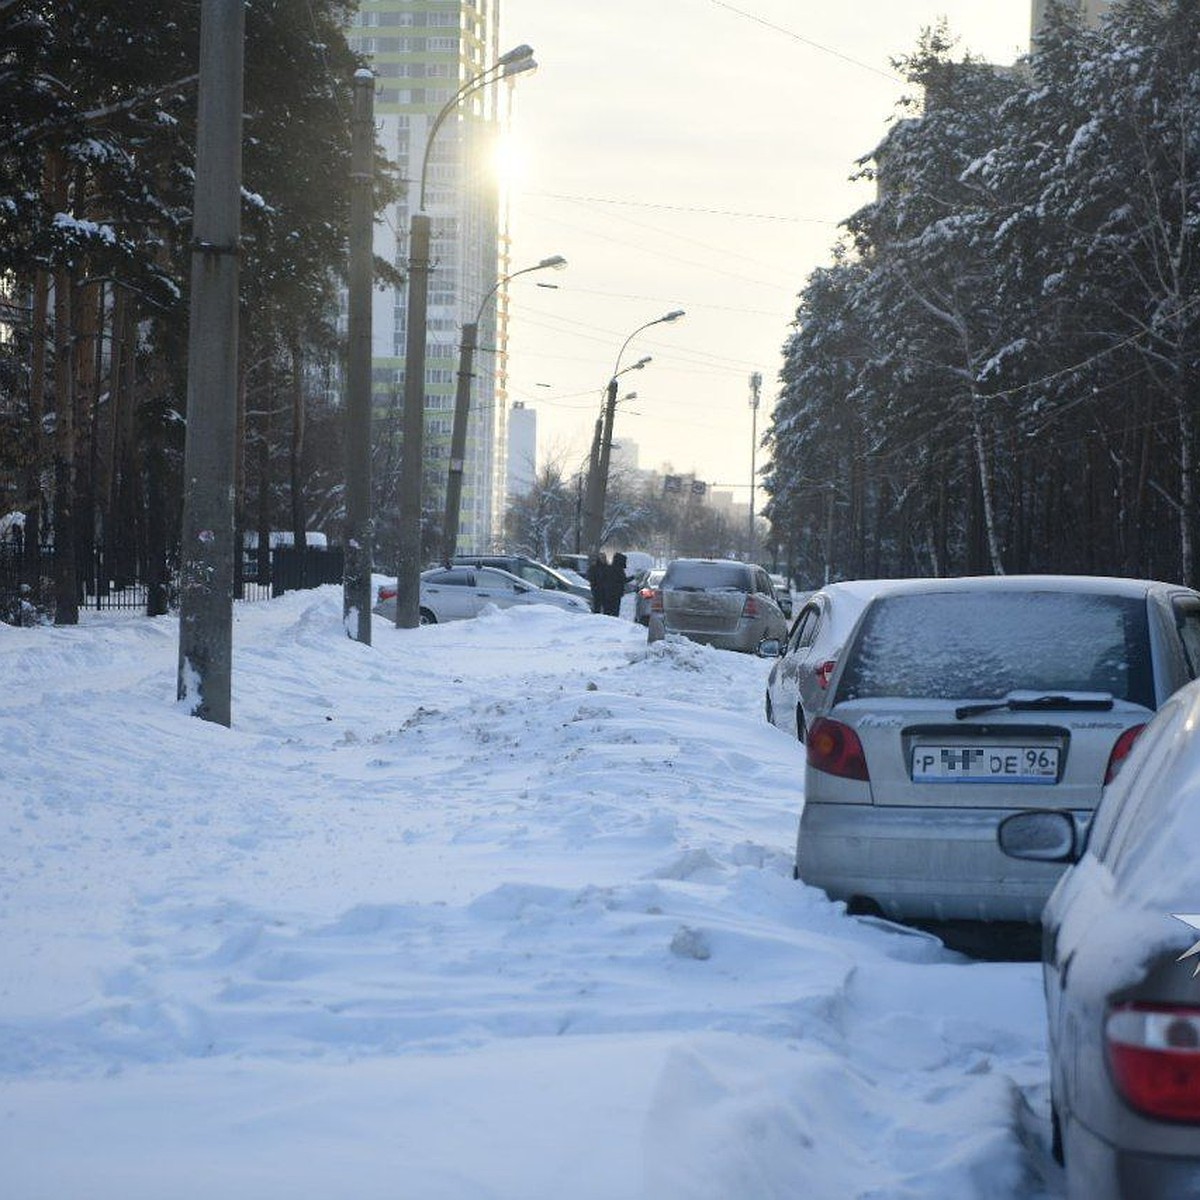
[(706, 576), (976, 645)]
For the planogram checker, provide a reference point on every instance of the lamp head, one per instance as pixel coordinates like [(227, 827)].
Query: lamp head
[(641, 362), (555, 261), (515, 55), (674, 315), (516, 68)]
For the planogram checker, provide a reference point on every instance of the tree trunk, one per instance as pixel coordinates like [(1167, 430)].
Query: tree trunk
[(297, 453), (35, 492)]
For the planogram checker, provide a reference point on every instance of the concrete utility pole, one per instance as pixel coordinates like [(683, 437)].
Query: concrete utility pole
[(458, 439), (360, 527), (207, 544), (408, 568), (755, 396)]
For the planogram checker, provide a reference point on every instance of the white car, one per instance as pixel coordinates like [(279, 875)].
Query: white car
[(456, 593)]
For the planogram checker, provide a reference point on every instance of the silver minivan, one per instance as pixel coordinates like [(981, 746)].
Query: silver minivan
[(720, 602), (959, 701)]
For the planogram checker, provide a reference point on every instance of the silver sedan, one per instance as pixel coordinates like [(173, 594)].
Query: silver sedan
[(456, 593)]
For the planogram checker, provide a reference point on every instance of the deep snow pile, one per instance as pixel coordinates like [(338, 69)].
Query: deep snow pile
[(501, 908)]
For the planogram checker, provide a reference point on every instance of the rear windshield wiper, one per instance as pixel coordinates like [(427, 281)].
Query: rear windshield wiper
[(1038, 701)]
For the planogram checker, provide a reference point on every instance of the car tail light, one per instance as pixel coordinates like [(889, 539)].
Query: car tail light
[(1121, 751), (386, 592), (1154, 1054), (825, 672), (646, 593), (835, 749), (750, 608)]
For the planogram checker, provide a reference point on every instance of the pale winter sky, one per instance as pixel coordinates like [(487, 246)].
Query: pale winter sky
[(648, 126)]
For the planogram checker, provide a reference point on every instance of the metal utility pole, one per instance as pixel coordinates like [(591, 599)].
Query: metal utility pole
[(206, 575), (360, 527), (755, 394)]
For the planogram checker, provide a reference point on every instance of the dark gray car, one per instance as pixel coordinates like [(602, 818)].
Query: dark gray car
[(1119, 962), (717, 601)]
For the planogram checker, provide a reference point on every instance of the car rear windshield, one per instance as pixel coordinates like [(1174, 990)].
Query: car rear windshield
[(707, 576), (973, 645)]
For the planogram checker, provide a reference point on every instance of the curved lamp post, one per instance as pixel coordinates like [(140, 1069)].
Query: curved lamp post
[(408, 571), (597, 488), (462, 406)]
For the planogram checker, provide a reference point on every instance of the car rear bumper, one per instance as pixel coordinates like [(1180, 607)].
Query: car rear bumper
[(1098, 1170), (920, 863)]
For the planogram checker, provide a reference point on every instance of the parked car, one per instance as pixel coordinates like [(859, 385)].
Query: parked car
[(573, 562), (798, 686), (455, 593), (528, 569), (783, 593), (720, 602), (646, 588), (1120, 960), (958, 701)]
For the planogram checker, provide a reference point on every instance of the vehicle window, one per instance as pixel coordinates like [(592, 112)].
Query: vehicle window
[(968, 645), (495, 580), (536, 575), (1187, 622), (701, 576), (804, 630), (455, 577)]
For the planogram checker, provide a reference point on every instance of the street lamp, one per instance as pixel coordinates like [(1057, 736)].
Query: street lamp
[(408, 571), (597, 488), (462, 406)]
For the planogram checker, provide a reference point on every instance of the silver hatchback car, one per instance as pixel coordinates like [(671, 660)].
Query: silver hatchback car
[(720, 602), (959, 701)]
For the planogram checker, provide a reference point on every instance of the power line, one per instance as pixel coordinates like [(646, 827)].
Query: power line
[(799, 37), (689, 208)]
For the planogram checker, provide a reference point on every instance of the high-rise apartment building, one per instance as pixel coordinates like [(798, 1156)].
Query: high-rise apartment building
[(422, 52), (522, 449)]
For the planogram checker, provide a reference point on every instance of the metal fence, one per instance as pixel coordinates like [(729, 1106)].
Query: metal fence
[(110, 580)]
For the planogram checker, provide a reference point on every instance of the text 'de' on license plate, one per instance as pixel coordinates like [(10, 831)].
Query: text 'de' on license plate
[(985, 764)]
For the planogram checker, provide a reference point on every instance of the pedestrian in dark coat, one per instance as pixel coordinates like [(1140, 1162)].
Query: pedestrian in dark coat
[(615, 582), (598, 579)]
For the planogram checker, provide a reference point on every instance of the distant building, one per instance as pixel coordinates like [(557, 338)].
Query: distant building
[(624, 456), (1093, 10), (522, 449), (422, 52)]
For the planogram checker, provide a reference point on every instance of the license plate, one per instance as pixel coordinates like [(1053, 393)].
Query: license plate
[(985, 764)]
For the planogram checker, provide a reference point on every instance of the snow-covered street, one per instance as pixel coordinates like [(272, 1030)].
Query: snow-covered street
[(495, 909)]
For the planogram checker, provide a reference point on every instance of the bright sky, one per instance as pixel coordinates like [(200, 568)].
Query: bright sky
[(693, 154)]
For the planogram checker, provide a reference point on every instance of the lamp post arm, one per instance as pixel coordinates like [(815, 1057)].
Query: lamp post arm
[(472, 85)]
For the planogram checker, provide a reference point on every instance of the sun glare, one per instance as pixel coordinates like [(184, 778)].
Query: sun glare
[(509, 161)]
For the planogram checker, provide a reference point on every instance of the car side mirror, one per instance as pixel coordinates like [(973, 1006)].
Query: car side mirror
[(769, 648), (1039, 835)]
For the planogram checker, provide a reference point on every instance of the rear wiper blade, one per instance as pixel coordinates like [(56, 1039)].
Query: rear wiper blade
[(1034, 702)]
